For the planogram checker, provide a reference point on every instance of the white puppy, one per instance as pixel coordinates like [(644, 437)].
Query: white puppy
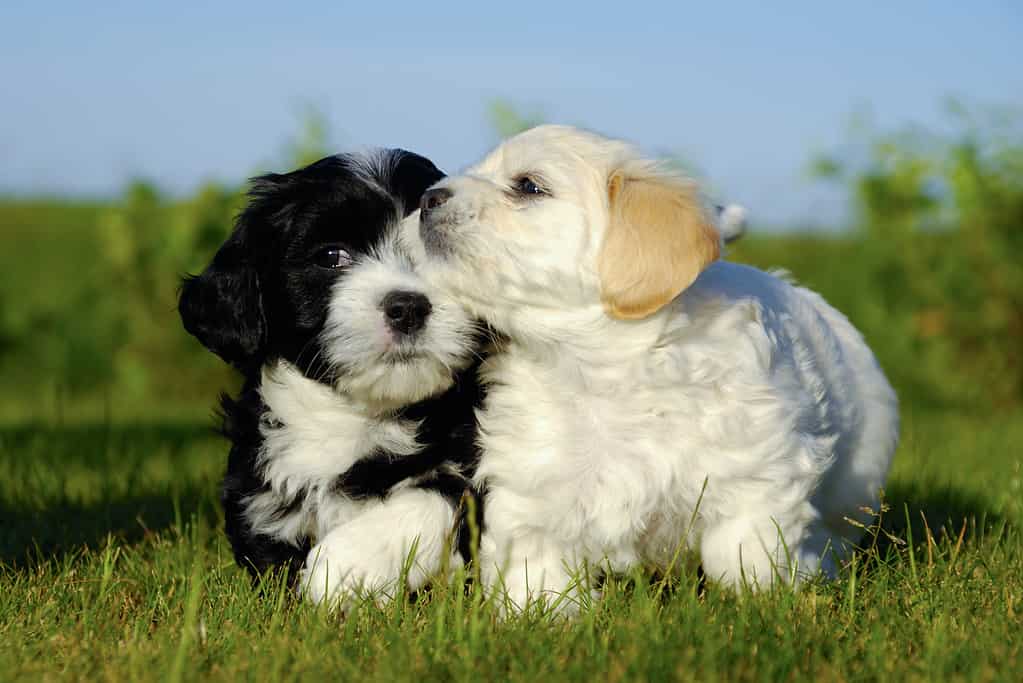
[(648, 395)]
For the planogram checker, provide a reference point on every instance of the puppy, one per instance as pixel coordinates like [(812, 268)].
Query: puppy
[(649, 396), (353, 433)]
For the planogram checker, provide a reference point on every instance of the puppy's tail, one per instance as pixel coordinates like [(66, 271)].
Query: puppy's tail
[(731, 222)]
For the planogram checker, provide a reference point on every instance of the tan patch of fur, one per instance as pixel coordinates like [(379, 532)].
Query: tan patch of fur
[(658, 241)]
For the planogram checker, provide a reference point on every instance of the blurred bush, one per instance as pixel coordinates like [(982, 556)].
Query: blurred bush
[(940, 226), (931, 273), (149, 242), (507, 119), (89, 312)]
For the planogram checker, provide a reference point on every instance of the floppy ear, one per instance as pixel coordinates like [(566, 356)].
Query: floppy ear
[(223, 309), (658, 241)]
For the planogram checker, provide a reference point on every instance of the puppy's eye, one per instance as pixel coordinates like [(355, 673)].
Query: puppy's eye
[(332, 257), (526, 186)]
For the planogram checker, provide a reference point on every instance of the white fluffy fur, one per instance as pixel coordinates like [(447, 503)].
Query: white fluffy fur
[(748, 394)]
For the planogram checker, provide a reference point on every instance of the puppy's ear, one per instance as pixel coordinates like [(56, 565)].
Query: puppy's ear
[(658, 241), (411, 176), (222, 307)]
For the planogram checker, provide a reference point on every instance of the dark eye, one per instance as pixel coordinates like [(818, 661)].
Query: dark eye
[(527, 186), (332, 257)]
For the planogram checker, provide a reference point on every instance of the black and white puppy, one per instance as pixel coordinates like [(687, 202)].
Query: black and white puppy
[(352, 438)]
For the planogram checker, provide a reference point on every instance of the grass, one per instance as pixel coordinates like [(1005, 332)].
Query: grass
[(113, 567)]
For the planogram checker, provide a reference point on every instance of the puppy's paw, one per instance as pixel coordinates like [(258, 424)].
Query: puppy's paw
[(339, 575), (399, 544)]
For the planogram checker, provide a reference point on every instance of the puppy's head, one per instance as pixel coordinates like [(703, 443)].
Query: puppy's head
[(311, 275), (560, 218)]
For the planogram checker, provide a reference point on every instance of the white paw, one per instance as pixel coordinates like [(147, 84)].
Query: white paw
[(542, 579), (340, 574), (367, 556)]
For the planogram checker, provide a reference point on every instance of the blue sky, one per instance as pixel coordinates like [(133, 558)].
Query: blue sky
[(96, 93)]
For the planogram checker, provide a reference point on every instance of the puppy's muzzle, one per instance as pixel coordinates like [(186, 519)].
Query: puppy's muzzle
[(435, 198), (405, 312), (431, 215)]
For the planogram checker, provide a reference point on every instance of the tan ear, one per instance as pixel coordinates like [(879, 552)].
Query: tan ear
[(657, 242)]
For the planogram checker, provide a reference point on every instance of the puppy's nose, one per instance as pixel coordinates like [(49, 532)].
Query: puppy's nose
[(434, 198), (405, 312)]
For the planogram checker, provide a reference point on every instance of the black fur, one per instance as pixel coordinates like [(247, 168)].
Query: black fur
[(255, 552), (264, 298)]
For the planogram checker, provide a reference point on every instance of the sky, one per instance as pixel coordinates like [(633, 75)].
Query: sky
[(97, 93)]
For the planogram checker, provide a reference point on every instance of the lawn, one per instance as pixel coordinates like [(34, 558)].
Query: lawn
[(113, 565)]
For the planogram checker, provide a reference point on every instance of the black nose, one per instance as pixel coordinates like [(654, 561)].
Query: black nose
[(434, 198), (405, 312)]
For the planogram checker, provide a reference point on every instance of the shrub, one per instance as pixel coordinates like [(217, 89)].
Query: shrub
[(941, 221)]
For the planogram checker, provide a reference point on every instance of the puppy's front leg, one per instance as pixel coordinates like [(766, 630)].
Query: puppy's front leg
[(755, 551), (527, 573), (522, 565), (366, 555), (265, 530)]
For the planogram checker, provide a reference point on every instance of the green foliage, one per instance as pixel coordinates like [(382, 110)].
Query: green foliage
[(931, 275), (941, 224), (150, 242), (507, 119), (46, 297), (313, 141), (89, 310)]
